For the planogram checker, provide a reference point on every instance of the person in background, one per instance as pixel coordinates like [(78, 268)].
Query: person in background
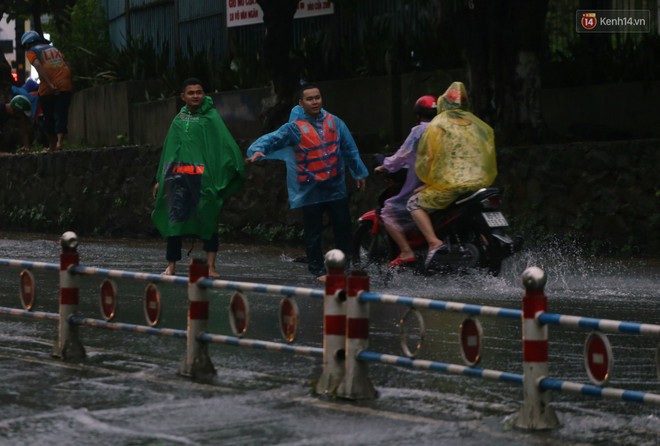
[(456, 155), (6, 79), (12, 131), (317, 148), (19, 107), (25, 121), (396, 218), (55, 86), (200, 167), (39, 136)]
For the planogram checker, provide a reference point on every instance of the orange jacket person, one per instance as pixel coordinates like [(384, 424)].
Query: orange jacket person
[(55, 86)]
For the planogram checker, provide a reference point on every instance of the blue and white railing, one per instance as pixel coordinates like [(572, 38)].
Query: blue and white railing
[(345, 353)]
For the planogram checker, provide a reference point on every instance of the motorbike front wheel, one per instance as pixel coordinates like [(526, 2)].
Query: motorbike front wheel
[(367, 247)]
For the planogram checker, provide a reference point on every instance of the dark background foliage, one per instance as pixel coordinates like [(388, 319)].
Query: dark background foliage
[(504, 50)]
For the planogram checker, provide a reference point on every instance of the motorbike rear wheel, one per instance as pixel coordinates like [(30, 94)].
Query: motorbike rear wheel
[(471, 255), (479, 253), (489, 257)]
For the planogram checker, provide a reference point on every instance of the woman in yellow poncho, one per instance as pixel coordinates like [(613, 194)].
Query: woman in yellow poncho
[(456, 155)]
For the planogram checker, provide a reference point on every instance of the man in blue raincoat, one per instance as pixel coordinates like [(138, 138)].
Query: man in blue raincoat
[(200, 167), (317, 148)]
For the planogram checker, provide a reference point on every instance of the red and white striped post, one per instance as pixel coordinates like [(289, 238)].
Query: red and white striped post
[(356, 384), (334, 324), (536, 413), (197, 363), (68, 345)]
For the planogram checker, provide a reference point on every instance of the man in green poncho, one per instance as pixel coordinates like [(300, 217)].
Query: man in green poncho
[(201, 166)]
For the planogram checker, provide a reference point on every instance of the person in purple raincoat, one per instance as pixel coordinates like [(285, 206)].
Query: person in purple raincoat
[(396, 218)]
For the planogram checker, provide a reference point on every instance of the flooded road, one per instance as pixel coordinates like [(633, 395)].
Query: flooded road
[(127, 391)]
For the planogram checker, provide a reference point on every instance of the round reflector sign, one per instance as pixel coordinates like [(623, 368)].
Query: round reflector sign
[(288, 319), (412, 331), (471, 334), (598, 358), (238, 314), (108, 299), (151, 304), (27, 289)]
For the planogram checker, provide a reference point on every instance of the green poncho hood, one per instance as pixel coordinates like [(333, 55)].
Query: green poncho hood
[(200, 166)]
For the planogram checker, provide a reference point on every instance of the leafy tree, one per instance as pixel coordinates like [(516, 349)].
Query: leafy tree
[(21, 10), (501, 43), (59, 10), (83, 38)]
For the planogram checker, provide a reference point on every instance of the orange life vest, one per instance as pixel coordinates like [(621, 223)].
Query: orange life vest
[(188, 169), (317, 159)]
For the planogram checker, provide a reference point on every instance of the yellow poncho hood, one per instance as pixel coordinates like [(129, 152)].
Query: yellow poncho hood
[(456, 154)]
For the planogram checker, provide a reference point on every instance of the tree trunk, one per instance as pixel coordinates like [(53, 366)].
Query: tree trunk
[(278, 20)]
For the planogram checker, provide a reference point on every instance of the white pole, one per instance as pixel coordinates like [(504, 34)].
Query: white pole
[(334, 324), (196, 363), (356, 383), (536, 413), (68, 346)]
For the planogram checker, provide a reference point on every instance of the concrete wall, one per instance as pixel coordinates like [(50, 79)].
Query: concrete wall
[(151, 121), (240, 110), (604, 190), (377, 110), (600, 194), (100, 115), (105, 115)]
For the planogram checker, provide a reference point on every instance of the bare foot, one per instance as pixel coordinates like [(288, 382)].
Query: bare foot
[(322, 278), (213, 274), (168, 272)]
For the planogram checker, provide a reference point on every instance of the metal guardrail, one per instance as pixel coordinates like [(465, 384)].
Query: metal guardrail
[(345, 353)]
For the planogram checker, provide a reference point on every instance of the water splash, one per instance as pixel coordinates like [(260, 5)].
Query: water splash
[(570, 270)]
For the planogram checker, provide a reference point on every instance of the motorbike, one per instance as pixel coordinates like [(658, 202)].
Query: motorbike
[(473, 227)]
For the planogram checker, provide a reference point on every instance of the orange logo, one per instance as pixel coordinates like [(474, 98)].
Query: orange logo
[(588, 20)]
